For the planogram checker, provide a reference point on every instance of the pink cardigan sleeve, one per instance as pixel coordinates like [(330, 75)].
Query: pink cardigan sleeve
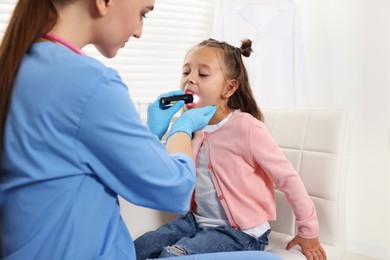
[(271, 159)]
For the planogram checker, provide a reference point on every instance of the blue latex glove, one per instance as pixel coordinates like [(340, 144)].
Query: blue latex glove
[(158, 119), (192, 120)]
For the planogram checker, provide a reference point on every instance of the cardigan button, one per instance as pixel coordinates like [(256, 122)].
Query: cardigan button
[(221, 197), (209, 166), (234, 226)]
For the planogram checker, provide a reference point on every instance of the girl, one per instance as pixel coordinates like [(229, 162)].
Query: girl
[(237, 164)]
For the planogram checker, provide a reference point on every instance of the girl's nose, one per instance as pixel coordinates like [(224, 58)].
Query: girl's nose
[(190, 79)]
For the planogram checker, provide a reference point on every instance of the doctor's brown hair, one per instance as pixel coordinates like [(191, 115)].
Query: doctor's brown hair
[(242, 98), (30, 20)]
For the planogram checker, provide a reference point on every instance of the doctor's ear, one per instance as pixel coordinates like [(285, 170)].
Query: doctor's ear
[(231, 88)]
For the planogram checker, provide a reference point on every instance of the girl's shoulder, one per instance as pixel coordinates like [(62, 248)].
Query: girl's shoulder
[(247, 124), (245, 118)]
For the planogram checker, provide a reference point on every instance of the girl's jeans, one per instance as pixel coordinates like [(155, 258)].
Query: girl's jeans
[(182, 236)]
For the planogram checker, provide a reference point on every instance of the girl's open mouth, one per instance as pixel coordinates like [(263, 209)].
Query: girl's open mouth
[(195, 99)]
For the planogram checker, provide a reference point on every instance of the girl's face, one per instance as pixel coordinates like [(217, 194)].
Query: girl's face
[(202, 75), (121, 19)]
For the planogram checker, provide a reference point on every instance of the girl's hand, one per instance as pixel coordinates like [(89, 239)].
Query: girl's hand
[(311, 248)]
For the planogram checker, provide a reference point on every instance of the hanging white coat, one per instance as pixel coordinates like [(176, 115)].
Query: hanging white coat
[(276, 67)]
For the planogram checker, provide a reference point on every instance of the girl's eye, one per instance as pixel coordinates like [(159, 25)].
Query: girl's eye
[(185, 73), (203, 73)]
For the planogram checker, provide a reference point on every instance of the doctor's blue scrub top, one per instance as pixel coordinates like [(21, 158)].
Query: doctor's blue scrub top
[(73, 142)]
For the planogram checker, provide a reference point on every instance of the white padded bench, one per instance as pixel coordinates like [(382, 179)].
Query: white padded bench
[(316, 142)]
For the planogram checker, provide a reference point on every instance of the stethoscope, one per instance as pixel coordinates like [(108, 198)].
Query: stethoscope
[(69, 45)]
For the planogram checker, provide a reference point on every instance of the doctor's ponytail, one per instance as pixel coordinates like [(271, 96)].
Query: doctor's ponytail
[(29, 21)]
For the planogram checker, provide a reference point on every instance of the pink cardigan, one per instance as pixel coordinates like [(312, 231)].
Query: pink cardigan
[(245, 162)]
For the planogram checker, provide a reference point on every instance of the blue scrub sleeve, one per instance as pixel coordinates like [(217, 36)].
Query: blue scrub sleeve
[(116, 146)]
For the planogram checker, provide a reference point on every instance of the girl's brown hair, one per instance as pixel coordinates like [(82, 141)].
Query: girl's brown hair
[(243, 98), (30, 20)]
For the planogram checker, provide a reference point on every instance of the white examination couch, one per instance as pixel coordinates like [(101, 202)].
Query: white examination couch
[(316, 142)]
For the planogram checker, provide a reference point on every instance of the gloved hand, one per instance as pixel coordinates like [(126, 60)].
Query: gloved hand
[(158, 119), (192, 120)]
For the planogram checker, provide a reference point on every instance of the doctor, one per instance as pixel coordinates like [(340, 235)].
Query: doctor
[(72, 140)]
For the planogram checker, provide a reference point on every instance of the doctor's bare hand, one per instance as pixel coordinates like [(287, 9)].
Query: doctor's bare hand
[(311, 248)]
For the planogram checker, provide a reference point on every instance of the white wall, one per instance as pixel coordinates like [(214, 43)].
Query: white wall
[(347, 46)]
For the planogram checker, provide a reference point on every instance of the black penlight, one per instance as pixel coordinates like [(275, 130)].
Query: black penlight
[(169, 101)]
